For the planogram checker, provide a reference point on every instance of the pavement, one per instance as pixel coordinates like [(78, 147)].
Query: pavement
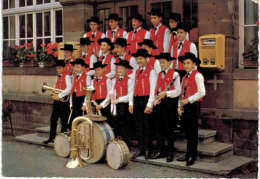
[(27, 160)]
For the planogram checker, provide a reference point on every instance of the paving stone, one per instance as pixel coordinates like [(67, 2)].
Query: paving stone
[(33, 139)]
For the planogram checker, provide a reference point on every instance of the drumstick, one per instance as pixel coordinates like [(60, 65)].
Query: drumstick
[(69, 116)]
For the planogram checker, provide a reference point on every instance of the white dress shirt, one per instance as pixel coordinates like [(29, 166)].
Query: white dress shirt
[(115, 30), (153, 82), (93, 59)]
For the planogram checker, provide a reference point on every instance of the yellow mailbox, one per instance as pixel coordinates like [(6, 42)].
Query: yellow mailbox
[(212, 51), (75, 54)]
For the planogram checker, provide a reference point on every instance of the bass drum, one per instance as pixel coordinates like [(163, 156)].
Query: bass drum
[(118, 154), (62, 145), (102, 135)]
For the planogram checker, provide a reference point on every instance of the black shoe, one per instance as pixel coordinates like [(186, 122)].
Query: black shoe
[(190, 161), (157, 154), (137, 153), (182, 159), (147, 155), (169, 157), (48, 141)]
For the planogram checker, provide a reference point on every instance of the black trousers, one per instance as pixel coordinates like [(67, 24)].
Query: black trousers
[(165, 118), (60, 110), (77, 102), (142, 122), (106, 112), (190, 124), (122, 122)]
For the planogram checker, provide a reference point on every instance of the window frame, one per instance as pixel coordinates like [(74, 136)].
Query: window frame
[(51, 7), (242, 26)]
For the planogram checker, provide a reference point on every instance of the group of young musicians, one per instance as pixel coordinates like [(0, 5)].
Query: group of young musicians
[(143, 80)]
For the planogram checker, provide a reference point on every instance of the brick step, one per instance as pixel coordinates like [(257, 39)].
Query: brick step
[(205, 135), (223, 167)]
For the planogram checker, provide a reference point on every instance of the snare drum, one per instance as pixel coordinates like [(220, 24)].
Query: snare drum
[(118, 154), (102, 135), (62, 145)]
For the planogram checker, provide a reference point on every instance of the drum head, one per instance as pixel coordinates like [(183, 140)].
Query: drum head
[(114, 155), (62, 145)]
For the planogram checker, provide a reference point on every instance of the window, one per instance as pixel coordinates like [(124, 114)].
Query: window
[(190, 13), (248, 27), (165, 8), (127, 12), (43, 25), (103, 15), (7, 4)]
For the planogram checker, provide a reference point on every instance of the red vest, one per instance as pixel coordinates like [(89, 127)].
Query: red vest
[(151, 62), (79, 85), (158, 38), (100, 88), (119, 34), (61, 82), (184, 49), (94, 47), (87, 60), (107, 61), (133, 41), (172, 41), (162, 83), (142, 82), (191, 88), (122, 87)]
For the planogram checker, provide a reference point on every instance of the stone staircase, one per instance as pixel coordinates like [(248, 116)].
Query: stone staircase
[(214, 157)]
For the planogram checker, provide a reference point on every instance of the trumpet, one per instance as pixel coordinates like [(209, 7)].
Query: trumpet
[(157, 98), (55, 91)]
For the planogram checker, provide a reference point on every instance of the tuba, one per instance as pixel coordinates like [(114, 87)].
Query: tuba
[(84, 130), (55, 91)]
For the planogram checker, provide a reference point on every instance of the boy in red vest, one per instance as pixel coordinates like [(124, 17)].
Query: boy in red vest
[(137, 35), (87, 55), (102, 86), (68, 51), (192, 92), (159, 34), (148, 45), (107, 58), (141, 101), (77, 93), (60, 109), (167, 91), (94, 34), (115, 31), (121, 86), (181, 46), (120, 50)]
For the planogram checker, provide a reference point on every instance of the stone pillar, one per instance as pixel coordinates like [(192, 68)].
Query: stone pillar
[(75, 14)]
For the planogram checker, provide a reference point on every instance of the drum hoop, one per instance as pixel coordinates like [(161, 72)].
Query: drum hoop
[(66, 137), (126, 151), (105, 132), (110, 130), (121, 157)]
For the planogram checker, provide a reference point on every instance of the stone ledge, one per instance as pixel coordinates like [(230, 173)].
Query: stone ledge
[(47, 71), (230, 114), (27, 97)]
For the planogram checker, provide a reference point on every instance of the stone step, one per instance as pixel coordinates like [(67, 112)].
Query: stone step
[(44, 131), (223, 167), (33, 139), (212, 149), (205, 135)]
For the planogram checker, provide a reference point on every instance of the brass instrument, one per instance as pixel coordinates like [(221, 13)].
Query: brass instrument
[(81, 141), (55, 91)]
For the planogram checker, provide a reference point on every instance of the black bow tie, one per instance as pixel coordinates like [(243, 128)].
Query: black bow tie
[(59, 75), (120, 79), (78, 77), (164, 72), (135, 31), (93, 34), (113, 33)]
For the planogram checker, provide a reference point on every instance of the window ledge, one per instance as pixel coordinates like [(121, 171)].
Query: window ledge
[(27, 97), (29, 71)]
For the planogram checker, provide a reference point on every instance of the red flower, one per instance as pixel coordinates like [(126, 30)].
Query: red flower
[(15, 46), (55, 45), (28, 47), (30, 55), (49, 45), (25, 44), (55, 54), (43, 45), (257, 23), (21, 46)]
